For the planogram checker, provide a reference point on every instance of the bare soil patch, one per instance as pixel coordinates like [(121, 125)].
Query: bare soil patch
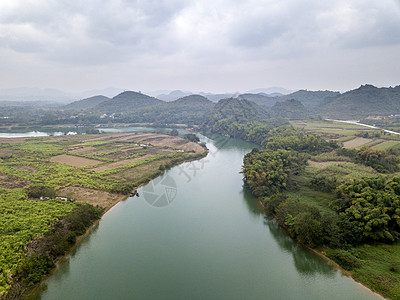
[(357, 142), (74, 161), (121, 163), (10, 182), (80, 149), (12, 140), (103, 199), (6, 152)]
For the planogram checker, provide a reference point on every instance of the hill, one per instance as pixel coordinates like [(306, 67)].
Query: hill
[(236, 110), (365, 101), (291, 109), (191, 109), (310, 99), (193, 101), (86, 103), (260, 99), (127, 102)]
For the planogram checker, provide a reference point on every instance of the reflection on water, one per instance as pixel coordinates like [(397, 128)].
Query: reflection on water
[(305, 261), (252, 205)]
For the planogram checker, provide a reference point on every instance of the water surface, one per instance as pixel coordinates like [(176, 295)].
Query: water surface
[(211, 242)]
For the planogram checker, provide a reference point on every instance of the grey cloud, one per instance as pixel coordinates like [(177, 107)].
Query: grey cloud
[(172, 38)]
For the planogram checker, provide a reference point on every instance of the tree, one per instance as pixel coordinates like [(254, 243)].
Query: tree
[(174, 132), (40, 190)]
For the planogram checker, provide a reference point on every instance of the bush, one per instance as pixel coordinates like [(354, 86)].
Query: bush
[(33, 268), (345, 259), (38, 190), (192, 137)]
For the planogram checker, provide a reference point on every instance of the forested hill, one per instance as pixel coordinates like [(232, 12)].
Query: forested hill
[(362, 102), (260, 99), (127, 101), (237, 110), (193, 101), (86, 103), (291, 109), (309, 99), (189, 110)]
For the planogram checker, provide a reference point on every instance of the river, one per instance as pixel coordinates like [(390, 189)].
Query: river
[(210, 240)]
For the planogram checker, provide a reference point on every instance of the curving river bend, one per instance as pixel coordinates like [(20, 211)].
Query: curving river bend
[(211, 242)]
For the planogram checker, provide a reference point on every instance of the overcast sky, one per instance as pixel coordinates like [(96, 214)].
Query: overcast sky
[(209, 45)]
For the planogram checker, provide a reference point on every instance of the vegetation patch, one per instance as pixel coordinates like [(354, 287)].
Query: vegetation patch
[(345, 202)]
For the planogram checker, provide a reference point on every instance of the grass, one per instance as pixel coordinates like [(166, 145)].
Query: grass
[(380, 268), (312, 197), (387, 145)]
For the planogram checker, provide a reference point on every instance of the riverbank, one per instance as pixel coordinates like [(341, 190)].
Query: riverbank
[(324, 257), (28, 161)]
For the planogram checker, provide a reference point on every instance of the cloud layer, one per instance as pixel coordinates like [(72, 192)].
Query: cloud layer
[(215, 45)]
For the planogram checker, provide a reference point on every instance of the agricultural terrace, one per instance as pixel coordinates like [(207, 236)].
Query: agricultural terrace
[(91, 165), (351, 135)]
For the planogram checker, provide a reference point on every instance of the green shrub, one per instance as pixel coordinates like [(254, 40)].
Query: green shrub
[(345, 259)]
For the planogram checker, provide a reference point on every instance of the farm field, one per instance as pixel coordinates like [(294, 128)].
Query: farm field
[(82, 163), (351, 135)]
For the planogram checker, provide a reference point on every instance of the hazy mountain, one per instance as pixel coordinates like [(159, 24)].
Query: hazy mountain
[(173, 95), (127, 102), (216, 97), (291, 109), (86, 103), (35, 94), (260, 99), (271, 90), (362, 102), (310, 99), (108, 92)]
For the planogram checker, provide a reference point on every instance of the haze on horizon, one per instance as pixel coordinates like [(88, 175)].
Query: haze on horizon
[(214, 46)]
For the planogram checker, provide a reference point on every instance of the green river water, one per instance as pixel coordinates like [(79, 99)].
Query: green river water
[(211, 241)]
